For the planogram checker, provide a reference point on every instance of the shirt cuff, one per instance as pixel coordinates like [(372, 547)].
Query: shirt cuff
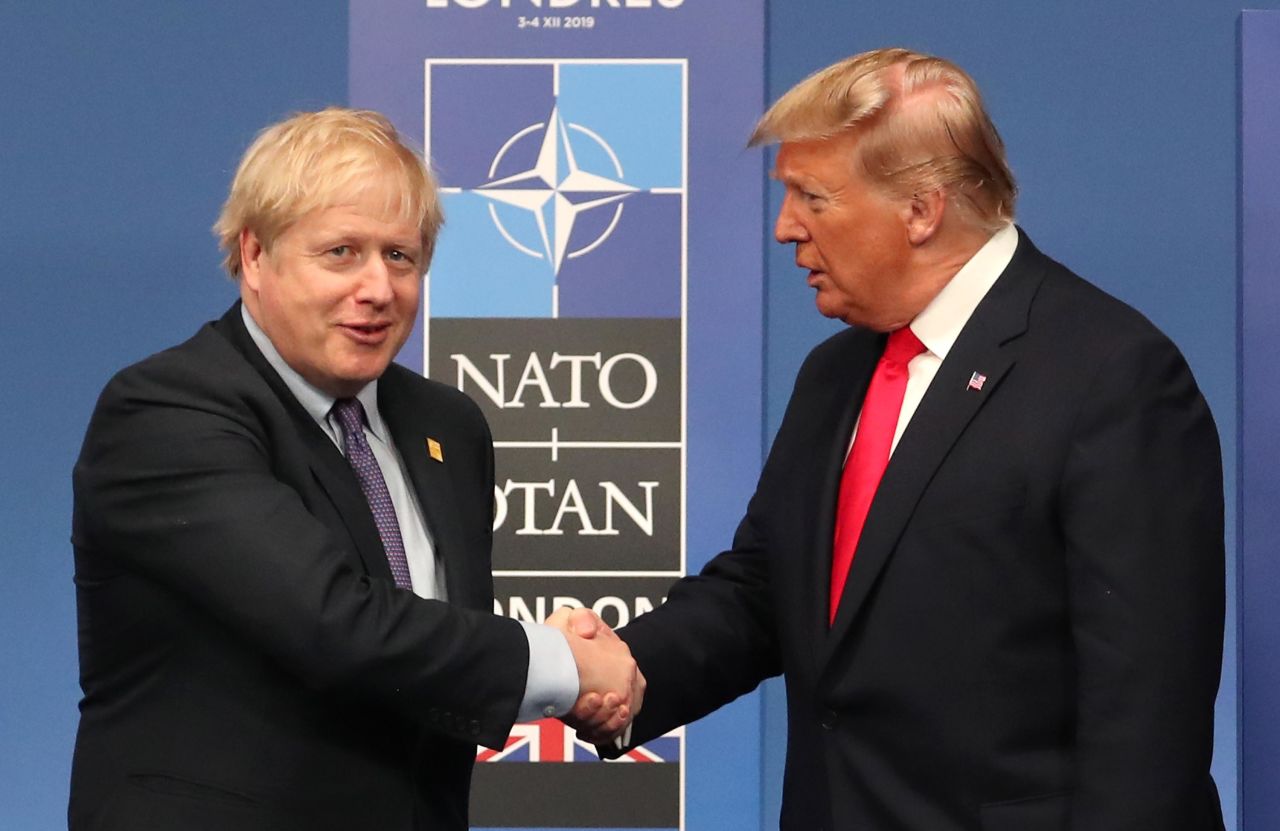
[(551, 688)]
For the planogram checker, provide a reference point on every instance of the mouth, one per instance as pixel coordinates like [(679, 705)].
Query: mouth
[(367, 334)]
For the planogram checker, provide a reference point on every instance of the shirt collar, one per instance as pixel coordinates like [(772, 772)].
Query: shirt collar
[(940, 323), (315, 401)]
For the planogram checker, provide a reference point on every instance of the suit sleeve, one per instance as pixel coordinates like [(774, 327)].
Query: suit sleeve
[(175, 486), (711, 642), (716, 636), (1142, 511)]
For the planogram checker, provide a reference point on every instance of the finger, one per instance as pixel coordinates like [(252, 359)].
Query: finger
[(598, 735), (618, 722), (603, 630), (600, 710), (588, 707), (601, 719), (559, 618)]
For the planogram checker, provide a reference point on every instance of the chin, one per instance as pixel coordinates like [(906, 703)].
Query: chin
[(826, 310), (354, 380), (363, 379)]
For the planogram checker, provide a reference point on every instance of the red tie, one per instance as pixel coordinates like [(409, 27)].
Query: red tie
[(870, 454)]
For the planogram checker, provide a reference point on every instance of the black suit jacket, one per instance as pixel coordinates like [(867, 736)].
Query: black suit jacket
[(1030, 637), (246, 660)]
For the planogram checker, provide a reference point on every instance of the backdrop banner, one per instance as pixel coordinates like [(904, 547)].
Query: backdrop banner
[(597, 290)]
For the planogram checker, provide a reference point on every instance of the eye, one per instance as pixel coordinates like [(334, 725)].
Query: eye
[(809, 198), (397, 257), (402, 256), (340, 251)]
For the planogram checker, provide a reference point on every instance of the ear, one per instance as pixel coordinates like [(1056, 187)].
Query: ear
[(923, 213), (251, 256)]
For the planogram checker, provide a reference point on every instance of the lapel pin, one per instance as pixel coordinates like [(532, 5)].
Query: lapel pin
[(433, 447), (976, 380)]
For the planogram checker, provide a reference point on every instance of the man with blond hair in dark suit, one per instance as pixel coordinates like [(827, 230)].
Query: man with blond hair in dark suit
[(282, 538)]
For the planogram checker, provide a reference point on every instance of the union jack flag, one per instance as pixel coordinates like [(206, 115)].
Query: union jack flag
[(549, 740)]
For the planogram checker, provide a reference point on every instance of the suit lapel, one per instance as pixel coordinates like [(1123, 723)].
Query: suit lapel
[(410, 427), (334, 475), (989, 345), (328, 466)]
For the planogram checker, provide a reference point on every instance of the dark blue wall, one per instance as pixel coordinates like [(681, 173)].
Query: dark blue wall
[(120, 124)]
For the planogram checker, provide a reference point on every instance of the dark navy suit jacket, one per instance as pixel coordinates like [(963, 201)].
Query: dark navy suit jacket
[(1031, 634), (246, 660)]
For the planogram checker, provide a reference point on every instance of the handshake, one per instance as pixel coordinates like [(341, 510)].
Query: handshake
[(610, 685)]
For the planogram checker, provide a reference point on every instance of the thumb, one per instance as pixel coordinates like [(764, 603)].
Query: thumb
[(584, 623)]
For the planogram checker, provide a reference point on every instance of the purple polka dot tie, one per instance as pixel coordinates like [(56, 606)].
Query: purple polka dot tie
[(351, 417)]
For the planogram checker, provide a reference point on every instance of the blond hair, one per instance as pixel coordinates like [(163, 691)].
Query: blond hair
[(316, 160), (922, 123)]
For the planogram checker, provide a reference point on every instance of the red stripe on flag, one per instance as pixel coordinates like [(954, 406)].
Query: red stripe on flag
[(551, 734)]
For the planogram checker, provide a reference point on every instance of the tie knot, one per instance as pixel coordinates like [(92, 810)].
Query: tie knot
[(350, 414), (903, 345)]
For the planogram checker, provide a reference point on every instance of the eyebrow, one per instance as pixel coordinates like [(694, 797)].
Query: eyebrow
[(344, 232), (799, 180)]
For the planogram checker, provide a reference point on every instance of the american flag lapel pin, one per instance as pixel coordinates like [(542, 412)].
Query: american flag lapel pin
[(976, 380), (433, 447)]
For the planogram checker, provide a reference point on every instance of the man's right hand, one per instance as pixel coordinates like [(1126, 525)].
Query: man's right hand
[(610, 685)]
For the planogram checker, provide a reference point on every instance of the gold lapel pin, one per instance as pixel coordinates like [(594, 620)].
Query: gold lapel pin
[(433, 447)]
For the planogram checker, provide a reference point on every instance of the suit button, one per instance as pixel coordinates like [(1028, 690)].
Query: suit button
[(474, 728), (829, 719), (433, 715)]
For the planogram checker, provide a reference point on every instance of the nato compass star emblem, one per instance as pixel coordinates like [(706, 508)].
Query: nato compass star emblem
[(556, 190)]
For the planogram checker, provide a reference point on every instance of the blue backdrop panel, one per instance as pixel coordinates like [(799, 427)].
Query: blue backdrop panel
[(596, 190), (1260, 420)]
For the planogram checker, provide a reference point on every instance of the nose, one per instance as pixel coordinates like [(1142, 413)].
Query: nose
[(375, 283), (788, 227)]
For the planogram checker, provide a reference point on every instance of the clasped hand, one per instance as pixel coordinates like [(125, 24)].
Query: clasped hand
[(610, 685)]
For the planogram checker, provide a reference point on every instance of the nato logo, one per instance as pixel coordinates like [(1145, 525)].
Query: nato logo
[(563, 184)]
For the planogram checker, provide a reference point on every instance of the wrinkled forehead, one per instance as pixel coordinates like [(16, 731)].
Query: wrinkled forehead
[(801, 159)]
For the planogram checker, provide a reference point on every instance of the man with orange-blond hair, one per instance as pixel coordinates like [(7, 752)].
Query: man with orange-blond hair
[(282, 539), (986, 550)]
